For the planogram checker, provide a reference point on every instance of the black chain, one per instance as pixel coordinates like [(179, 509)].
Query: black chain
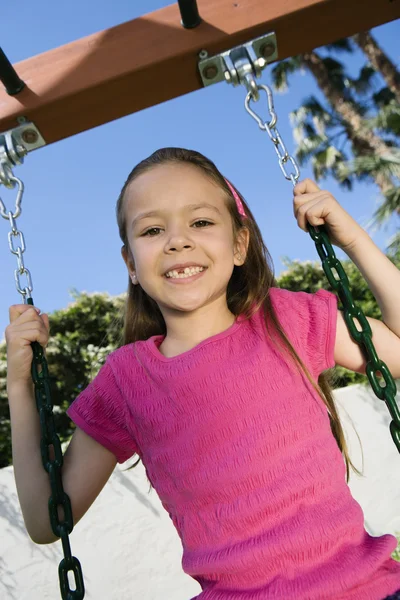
[(58, 498), (340, 283)]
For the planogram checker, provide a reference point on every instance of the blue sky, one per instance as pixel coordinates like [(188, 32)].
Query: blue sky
[(68, 210)]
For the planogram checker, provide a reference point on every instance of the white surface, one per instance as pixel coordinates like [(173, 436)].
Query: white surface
[(128, 546)]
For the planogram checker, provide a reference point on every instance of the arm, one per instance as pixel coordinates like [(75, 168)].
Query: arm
[(383, 278), (319, 207), (86, 469), (32, 481)]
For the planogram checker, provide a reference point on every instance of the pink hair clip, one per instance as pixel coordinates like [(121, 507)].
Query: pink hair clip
[(238, 200)]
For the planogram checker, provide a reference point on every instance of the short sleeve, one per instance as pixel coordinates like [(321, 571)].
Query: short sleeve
[(309, 321), (100, 411)]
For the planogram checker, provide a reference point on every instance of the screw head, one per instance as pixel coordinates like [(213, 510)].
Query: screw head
[(267, 49), (30, 136), (210, 72)]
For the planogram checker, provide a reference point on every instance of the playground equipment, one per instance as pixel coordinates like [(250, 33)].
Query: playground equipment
[(93, 84)]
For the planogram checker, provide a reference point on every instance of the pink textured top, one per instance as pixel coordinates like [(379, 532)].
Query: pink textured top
[(239, 449)]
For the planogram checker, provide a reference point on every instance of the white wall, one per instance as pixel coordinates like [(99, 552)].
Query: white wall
[(127, 545)]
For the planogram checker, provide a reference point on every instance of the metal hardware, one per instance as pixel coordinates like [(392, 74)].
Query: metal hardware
[(273, 133), (240, 64), (19, 141)]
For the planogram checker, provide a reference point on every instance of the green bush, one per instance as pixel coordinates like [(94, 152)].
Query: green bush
[(396, 553)]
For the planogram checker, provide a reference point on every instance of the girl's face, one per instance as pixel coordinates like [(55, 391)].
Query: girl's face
[(191, 224)]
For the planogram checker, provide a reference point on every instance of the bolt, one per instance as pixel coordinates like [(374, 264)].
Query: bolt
[(30, 136), (21, 150), (203, 54), (210, 72), (267, 49)]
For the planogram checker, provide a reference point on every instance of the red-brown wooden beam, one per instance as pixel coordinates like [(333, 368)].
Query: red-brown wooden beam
[(152, 59)]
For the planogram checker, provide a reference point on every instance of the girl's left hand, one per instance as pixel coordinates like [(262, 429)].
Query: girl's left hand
[(319, 207)]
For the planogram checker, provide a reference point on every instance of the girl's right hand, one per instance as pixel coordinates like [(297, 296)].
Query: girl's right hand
[(26, 326)]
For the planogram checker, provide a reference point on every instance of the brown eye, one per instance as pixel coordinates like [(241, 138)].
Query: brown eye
[(202, 221), (148, 231)]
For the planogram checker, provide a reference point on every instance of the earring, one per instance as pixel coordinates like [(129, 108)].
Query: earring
[(134, 278)]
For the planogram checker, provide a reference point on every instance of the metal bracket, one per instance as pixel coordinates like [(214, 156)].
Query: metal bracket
[(241, 64), (16, 143)]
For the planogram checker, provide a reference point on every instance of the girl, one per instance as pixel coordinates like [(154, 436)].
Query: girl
[(219, 388)]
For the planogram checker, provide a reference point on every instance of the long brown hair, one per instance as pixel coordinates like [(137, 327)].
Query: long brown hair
[(248, 288)]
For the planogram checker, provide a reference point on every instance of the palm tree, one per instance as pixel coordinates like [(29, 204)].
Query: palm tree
[(318, 129), (379, 61)]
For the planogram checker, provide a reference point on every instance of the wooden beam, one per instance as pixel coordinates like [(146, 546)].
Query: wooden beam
[(152, 59)]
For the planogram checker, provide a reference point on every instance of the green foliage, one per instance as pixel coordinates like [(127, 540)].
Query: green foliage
[(396, 552), (283, 69), (388, 117)]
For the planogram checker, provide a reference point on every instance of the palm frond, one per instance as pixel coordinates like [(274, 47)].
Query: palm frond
[(304, 131), (308, 147), (394, 246), (368, 167), (366, 79), (280, 73), (343, 45), (387, 119), (390, 205), (383, 97), (326, 160), (313, 111)]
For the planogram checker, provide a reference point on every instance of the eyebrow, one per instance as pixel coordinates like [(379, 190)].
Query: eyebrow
[(154, 213)]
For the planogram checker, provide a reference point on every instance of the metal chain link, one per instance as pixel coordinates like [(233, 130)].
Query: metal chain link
[(332, 267), (40, 376)]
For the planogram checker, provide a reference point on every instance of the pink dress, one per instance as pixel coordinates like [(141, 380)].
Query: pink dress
[(239, 449)]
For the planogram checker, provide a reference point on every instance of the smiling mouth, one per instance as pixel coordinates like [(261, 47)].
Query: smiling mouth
[(183, 275), (186, 276)]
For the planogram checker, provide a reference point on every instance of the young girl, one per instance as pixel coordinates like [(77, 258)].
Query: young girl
[(219, 389)]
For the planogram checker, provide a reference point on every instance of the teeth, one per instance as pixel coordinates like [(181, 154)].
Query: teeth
[(186, 273)]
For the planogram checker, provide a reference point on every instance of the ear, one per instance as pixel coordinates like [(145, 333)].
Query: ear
[(126, 255), (241, 246)]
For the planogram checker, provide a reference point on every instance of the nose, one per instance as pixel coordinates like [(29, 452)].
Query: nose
[(178, 241)]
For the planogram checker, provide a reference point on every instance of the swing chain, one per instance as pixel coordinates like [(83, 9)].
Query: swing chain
[(10, 156), (53, 466), (271, 129), (337, 278), (44, 403)]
